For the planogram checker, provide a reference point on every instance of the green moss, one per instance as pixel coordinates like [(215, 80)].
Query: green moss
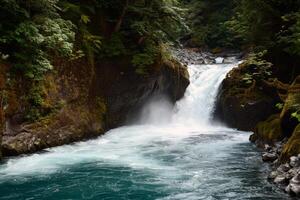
[(292, 102), (292, 147), (101, 106), (270, 130)]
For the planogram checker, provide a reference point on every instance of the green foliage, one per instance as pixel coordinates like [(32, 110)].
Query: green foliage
[(145, 58), (160, 20), (32, 34), (296, 115), (33, 39), (290, 37), (35, 99), (248, 78), (208, 22), (256, 68), (279, 106), (114, 46), (35, 33), (267, 24)]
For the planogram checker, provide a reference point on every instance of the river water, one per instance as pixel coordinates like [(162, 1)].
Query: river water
[(170, 153)]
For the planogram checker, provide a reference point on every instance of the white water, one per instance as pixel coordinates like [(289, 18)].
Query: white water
[(173, 153), (124, 145)]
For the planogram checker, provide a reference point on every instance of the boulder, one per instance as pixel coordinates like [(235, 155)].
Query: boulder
[(294, 161), (273, 175), (244, 99), (284, 168), (294, 186), (269, 157), (281, 179)]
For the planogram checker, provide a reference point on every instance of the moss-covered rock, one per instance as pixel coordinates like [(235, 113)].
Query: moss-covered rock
[(268, 131), (292, 147), (248, 95)]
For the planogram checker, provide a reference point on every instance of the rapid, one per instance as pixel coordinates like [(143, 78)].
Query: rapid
[(170, 152)]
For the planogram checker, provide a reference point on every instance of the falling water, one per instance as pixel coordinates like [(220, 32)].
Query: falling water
[(172, 153)]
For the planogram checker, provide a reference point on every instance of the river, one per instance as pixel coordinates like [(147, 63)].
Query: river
[(169, 153)]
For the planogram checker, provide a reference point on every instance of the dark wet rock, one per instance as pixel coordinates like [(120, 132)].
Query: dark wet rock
[(281, 179), (273, 175), (294, 161), (269, 157), (294, 186), (284, 168), (268, 148), (132, 91)]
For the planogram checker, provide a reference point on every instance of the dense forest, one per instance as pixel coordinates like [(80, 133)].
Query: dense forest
[(34, 34), (73, 69)]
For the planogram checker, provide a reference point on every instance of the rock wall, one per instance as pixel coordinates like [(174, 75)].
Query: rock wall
[(89, 100)]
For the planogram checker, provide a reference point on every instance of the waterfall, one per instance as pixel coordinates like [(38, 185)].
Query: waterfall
[(198, 103), (171, 153), (160, 120)]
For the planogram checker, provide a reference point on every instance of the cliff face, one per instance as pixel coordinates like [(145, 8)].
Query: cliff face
[(89, 100)]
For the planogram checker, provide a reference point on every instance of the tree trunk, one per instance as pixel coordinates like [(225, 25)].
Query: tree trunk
[(121, 18)]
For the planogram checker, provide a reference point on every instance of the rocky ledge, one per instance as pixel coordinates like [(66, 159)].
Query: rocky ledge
[(194, 56)]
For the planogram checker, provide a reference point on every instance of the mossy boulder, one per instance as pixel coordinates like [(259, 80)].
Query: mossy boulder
[(73, 115), (248, 95), (292, 147), (268, 131)]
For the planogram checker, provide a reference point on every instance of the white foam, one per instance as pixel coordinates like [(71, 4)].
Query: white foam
[(127, 146)]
